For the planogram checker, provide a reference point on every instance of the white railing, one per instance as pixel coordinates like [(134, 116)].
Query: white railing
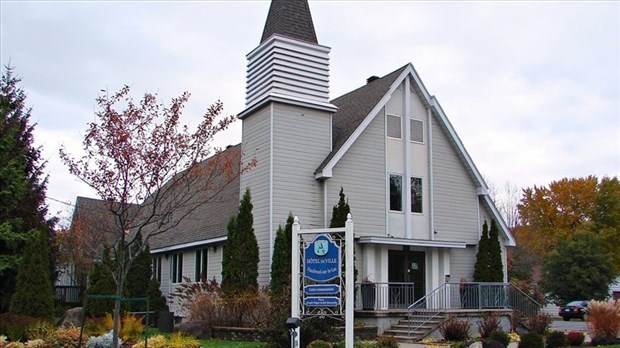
[(383, 296)]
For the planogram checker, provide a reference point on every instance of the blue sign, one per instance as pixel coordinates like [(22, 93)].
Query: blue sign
[(322, 259), (326, 289), (322, 301)]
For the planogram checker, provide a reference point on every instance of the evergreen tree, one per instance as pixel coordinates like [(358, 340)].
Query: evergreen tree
[(281, 261), (140, 282), (496, 267), (101, 283), (481, 268), (34, 294), (240, 271), (340, 211), (22, 185)]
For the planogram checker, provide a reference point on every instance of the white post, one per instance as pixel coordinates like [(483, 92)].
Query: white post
[(295, 340), (350, 282)]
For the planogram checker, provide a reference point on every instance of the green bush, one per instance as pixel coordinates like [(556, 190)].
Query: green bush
[(532, 340), (556, 339), (386, 342), (500, 336), (14, 325), (454, 329), (319, 344), (493, 344)]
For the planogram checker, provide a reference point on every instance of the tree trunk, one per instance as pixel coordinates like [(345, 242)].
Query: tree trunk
[(117, 313)]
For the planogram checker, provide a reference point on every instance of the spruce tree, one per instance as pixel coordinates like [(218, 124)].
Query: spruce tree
[(240, 273), (34, 294), (101, 282), (496, 267), (481, 268), (22, 185), (140, 282), (340, 211), (281, 260)]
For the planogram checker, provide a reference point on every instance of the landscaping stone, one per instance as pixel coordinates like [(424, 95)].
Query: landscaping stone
[(198, 329), (71, 318)]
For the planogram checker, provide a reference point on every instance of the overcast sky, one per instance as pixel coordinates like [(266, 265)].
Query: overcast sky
[(532, 88)]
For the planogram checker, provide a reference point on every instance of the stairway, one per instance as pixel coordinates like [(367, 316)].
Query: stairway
[(420, 327)]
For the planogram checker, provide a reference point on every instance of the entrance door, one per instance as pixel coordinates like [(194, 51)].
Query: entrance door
[(406, 267)]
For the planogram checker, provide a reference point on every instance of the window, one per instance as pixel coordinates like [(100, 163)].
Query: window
[(416, 130), (201, 265), (176, 271), (157, 268), (394, 128), (396, 192), (416, 195)]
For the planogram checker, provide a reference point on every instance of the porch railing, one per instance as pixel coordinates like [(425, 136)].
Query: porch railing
[(68, 294), (381, 296), (451, 296)]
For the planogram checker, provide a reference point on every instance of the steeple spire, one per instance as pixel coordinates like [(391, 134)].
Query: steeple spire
[(290, 18)]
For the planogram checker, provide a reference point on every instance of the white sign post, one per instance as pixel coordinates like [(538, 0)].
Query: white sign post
[(297, 276)]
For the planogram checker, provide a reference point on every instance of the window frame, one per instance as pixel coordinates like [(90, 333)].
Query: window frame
[(156, 268), (401, 176), (176, 268), (411, 122), (419, 194), (202, 262)]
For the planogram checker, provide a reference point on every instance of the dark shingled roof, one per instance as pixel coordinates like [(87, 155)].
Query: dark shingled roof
[(290, 18), (353, 108), (94, 222)]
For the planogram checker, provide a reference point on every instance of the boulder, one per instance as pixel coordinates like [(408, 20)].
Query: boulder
[(198, 329), (71, 318)]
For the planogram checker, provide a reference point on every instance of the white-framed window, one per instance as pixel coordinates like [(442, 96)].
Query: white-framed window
[(157, 268), (416, 195), (201, 265), (396, 192), (394, 126), (176, 268), (416, 131)]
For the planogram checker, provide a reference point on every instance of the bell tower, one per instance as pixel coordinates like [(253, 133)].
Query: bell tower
[(286, 124)]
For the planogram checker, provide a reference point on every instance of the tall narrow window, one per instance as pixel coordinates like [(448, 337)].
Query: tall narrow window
[(396, 192), (176, 271), (416, 195), (416, 128), (201, 265), (157, 268), (394, 128)]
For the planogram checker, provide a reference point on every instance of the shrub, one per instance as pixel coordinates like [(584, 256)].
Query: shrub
[(514, 337), (575, 338), (489, 323), (157, 341), (493, 344), (604, 318), (386, 342), (98, 326), (179, 340), (531, 340), (556, 339), (15, 345), (605, 341), (40, 330), (500, 336), (38, 343), (103, 341), (540, 323), (131, 327), (66, 338), (319, 344), (453, 329), (14, 325)]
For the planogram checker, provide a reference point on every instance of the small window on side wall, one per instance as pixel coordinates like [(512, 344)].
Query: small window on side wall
[(396, 192), (176, 272), (201, 265), (416, 128), (394, 128), (416, 195)]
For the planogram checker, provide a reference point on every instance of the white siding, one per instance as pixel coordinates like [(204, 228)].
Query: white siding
[(362, 174), (214, 268), (455, 197), (257, 144), (462, 263)]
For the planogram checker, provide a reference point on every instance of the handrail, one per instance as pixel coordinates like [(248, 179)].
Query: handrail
[(469, 295)]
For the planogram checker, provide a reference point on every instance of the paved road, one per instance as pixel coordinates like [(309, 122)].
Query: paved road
[(572, 325)]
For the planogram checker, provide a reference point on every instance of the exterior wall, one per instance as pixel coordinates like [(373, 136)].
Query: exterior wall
[(288, 143), (455, 196), (361, 173), (462, 263)]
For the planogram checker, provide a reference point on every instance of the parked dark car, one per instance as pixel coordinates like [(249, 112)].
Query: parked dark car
[(574, 309)]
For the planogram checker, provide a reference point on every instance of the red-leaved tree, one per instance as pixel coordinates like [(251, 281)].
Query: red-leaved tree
[(147, 165)]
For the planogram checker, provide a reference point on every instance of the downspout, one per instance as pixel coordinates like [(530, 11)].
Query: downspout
[(431, 184), (324, 184), (407, 144), (270, 222)]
